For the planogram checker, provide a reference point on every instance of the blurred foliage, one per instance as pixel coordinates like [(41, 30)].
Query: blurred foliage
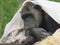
[(7, 11), (56, 0)]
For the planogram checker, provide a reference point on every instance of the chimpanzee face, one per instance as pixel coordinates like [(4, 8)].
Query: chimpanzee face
[(29, 20)]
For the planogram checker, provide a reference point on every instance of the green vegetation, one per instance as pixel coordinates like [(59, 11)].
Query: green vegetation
[(7, 11), (56, 0)]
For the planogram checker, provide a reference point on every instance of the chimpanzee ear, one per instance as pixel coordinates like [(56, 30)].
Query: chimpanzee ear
[(37, 7)]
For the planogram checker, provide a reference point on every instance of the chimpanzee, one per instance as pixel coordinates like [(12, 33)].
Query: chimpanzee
[(45, 25)]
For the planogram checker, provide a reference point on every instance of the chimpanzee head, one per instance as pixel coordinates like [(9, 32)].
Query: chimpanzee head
[(32, 17), (29, 20)]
